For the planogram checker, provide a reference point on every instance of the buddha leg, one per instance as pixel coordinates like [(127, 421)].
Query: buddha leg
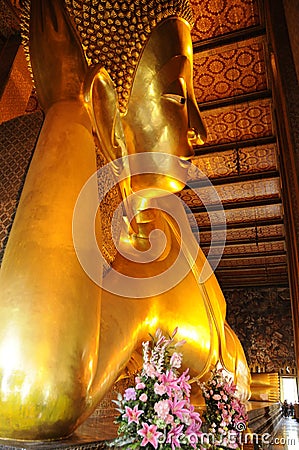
[(231, 354), (49, 308)]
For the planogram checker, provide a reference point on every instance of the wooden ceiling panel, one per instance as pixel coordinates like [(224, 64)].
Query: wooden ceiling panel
[(253, 214), (230, 70), (233, 90), (240, 217), (249, 190), (239, 122), (262, 158), (239, 250), (257, 159), (250, 234), (231, 193), (251, 278), (266, 273), (222, 164), (255, 261), (217, 17)]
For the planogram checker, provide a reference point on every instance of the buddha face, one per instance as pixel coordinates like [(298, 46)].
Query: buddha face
[(162, 114)]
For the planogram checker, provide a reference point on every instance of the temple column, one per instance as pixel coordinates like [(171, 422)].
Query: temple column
[(284, 61)]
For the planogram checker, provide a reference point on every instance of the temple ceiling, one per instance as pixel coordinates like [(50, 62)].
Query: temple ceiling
[(232, 79)]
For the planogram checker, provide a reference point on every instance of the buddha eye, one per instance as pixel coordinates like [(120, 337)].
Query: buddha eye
[(175, 98)]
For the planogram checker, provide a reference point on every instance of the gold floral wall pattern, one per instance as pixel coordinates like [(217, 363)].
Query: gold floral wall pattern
[(229, 71), (217, 17)]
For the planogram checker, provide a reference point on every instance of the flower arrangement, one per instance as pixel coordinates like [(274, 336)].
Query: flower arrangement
[(156, 412), (225, 415)]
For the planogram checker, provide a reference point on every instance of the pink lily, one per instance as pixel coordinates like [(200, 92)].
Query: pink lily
[(169, 381), (195, 416), (133, 414), (177, 407), (150, 435), (183, 382), (173, 437)]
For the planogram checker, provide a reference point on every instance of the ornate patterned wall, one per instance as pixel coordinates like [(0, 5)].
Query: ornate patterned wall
[(239, 122), (18, 137), (262, 319), (228, 71), (214, 18), (8, 20)]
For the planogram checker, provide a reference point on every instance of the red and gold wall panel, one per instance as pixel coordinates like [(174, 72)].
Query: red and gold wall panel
[(230, 70), (218, 17)]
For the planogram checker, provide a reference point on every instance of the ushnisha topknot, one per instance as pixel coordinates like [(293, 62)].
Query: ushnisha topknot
[(113, 33)]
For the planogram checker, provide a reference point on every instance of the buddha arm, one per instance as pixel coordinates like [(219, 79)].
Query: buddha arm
[(56, 55), (49, 308)]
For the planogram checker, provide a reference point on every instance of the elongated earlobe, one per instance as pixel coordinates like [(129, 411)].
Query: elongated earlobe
[(101, 100)]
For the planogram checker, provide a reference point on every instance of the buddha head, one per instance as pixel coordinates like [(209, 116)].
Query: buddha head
[(140, 90)]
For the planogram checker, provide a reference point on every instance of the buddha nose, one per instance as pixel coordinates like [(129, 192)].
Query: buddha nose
[(197, 133), (194, 137)]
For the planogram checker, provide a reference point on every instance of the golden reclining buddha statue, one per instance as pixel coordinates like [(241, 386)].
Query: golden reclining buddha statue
[(116, 75)]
